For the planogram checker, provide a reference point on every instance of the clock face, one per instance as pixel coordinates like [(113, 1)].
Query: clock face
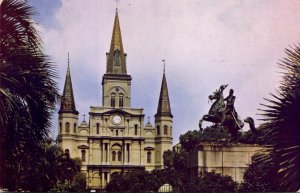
[(117, 119)]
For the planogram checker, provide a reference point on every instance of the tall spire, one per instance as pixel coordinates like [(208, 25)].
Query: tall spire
[(164, 107), (68, 102), (116, 60)]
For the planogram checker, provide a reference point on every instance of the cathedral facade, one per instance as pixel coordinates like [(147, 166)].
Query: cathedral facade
[(115, 138)]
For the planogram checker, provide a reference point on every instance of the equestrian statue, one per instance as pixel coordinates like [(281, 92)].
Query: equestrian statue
[(222, 113)]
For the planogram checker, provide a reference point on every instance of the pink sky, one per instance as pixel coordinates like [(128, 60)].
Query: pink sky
[(205, 44)]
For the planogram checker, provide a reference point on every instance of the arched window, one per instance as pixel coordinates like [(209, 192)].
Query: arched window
[(121, 100), (83, 155), (113, 156), (158, 130), (165, 130), (74, 127), (135, 129), (149, 157), (67, 152), (97, 128), (113, 100), (117, 133), (171, 130), (67, 127), (60, 127), (119, 156), (117, 57)]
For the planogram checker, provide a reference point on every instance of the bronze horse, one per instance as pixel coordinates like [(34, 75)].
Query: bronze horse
[(215, 115)]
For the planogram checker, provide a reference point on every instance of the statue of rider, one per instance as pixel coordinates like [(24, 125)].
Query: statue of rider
[(229, 109)]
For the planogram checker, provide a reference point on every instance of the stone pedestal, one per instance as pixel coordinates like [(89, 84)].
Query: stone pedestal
[(232, 160)]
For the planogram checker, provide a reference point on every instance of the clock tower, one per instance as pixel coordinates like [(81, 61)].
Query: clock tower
[(115, 138), (116, 130)]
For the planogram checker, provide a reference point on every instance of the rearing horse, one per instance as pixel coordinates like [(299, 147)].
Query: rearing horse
[(216, 113)]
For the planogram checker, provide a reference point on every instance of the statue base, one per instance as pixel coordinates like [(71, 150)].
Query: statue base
[(232, 159)]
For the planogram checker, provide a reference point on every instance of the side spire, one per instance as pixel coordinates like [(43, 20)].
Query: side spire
[(68, 102), (116, 58), (164, 107)]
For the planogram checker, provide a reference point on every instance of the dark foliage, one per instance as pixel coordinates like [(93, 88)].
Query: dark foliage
[(52, 166), (260, 178), (134, 181), (192, 139), (282, 126), (248, 137), (211, 182), (79, 183), (215, 134), (175, 160), (28, 94)]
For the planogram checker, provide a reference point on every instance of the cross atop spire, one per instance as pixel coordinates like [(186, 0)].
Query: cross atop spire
[(164, 61), (116, 5), (116, 58), (68, 60), (68, 102)]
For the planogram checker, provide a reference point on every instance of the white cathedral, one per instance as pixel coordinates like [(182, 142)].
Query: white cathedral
[(115, 138)]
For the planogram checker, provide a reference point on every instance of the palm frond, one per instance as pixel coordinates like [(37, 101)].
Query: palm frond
[(281, 116)]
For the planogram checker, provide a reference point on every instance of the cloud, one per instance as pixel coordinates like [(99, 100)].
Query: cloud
[(205, 44)]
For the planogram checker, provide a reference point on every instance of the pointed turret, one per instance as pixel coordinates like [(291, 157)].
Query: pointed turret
[(116, 58), (164, 108), (163, 123), (68, 101)]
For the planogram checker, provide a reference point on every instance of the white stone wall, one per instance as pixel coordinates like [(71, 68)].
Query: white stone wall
[(232, 160)]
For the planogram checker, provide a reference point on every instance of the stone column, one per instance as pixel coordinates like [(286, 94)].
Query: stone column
[(127, 128), (108, 154), (141, 153), (125, 160), (102, 180), (89, 159), (128, 154), (105, 178), (103, 152), (108, 178), (106, 160)]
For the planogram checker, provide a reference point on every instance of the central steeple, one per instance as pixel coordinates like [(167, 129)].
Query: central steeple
[(116, 58), (116, 83)]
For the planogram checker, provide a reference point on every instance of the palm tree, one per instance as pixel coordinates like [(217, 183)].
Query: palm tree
[(282, 125), (28, 92), (53, 166)]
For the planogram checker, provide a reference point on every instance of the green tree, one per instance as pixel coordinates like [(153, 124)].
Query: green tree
[(260, 178), (52, 168), (175, 160), (134, 181), (176, 172), (28, 92), (168, 157), (281, 123), (79, 182), (215, 134), (192, 139), (211, 182)]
